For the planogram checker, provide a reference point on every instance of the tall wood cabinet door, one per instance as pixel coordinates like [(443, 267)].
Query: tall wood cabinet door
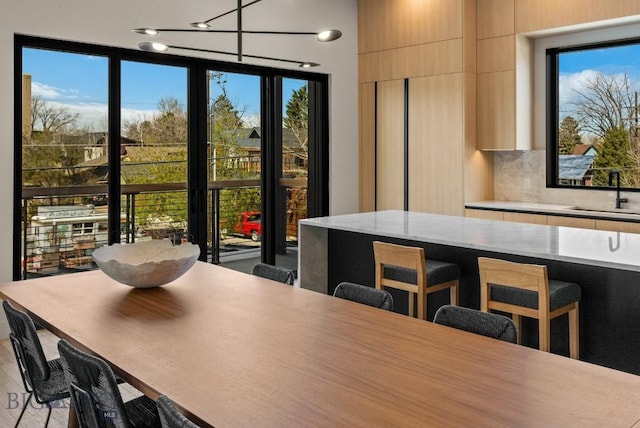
[(366, 146), (390, 145), (436, 141)]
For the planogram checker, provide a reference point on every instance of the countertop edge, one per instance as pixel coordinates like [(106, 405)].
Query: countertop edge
[(553, 209)]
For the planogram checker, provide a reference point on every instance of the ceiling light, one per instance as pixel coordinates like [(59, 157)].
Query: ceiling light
[(146, 31), (153, 47), (146, 46), (205, 27), (329, 35), (200, 25)]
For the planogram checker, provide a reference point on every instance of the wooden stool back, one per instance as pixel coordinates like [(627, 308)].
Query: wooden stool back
[(532, 278), (406, 257)]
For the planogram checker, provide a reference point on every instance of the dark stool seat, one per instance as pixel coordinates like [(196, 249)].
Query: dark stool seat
[(437, 273), (561, 294)]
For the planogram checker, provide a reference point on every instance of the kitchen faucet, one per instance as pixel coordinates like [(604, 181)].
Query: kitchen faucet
[(616, 174)]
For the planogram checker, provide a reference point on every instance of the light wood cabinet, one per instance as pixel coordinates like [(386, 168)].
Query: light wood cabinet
[(618, 226), (495, 18), (584, 223), (495, 104), (366, 146), (525, 218), (436, 144), (390, 145), (485, 214)]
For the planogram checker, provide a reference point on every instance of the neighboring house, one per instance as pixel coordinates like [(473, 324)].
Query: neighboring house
[(575, 170), (96, 157), (294, 156), (142, 160), (585, 150)]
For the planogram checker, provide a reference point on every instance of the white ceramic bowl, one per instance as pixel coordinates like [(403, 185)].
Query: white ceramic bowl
[(146, 264)]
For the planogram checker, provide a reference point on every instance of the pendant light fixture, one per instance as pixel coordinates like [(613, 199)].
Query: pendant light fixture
[(206, 27)]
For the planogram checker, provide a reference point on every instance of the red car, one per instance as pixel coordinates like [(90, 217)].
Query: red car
[(249, 225)]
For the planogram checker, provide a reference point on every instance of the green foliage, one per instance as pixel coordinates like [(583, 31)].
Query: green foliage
[(227, 124), (615, 153), (297, 117), (568, 136), (162, 158)]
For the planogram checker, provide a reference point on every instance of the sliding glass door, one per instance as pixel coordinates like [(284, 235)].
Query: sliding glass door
[(153, 152), (120, 146), (234, 167), (63, 137)]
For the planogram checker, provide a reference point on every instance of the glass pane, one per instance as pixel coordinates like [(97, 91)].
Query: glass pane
[(153, 152), (598, 133), (234, 159), (295, 167), (64, 143)]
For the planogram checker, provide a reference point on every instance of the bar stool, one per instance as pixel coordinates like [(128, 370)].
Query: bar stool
[(525, 290), (406, 268)]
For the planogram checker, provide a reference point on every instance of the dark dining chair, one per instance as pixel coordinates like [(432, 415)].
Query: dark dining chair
[(170, 416), (43, 379), (366, 295), (95, 394), (478, 322), (275, 273)]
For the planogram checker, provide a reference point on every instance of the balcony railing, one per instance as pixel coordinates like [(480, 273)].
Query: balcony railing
[(61, 226)]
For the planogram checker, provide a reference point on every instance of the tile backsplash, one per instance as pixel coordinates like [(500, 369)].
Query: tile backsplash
[(519, 176)]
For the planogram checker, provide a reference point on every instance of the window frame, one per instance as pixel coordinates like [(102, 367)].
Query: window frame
[(552, 74), (318, 180)]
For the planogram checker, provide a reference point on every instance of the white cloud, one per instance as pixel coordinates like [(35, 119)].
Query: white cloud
[(44, 91), (570, 84)]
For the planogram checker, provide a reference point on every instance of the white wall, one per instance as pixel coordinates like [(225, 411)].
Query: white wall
[(110, 22)]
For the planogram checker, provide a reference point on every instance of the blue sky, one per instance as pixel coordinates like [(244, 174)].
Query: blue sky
[(578, 67), (79, 82), (606, 60)]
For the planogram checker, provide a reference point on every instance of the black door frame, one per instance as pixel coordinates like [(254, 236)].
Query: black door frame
[(271, 110)]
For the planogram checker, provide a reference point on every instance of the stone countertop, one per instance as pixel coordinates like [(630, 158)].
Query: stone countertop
[(620, 214), (616, 250)]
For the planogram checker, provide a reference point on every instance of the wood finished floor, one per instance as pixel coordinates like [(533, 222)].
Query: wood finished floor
[(12, 391)]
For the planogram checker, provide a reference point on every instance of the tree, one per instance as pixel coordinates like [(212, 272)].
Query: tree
[(167, 127), (607, 108), (54, 146), (297, 117), (227, 122), (162, 159), (615, 153), (568, 135), (605, 104)]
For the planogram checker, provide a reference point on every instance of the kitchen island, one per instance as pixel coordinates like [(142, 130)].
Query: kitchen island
[(605, 264)]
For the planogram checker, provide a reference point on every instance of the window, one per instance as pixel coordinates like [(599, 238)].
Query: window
[(114, 145), (593, 115)]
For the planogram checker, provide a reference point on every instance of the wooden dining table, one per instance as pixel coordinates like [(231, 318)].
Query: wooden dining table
[(236, 350)]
